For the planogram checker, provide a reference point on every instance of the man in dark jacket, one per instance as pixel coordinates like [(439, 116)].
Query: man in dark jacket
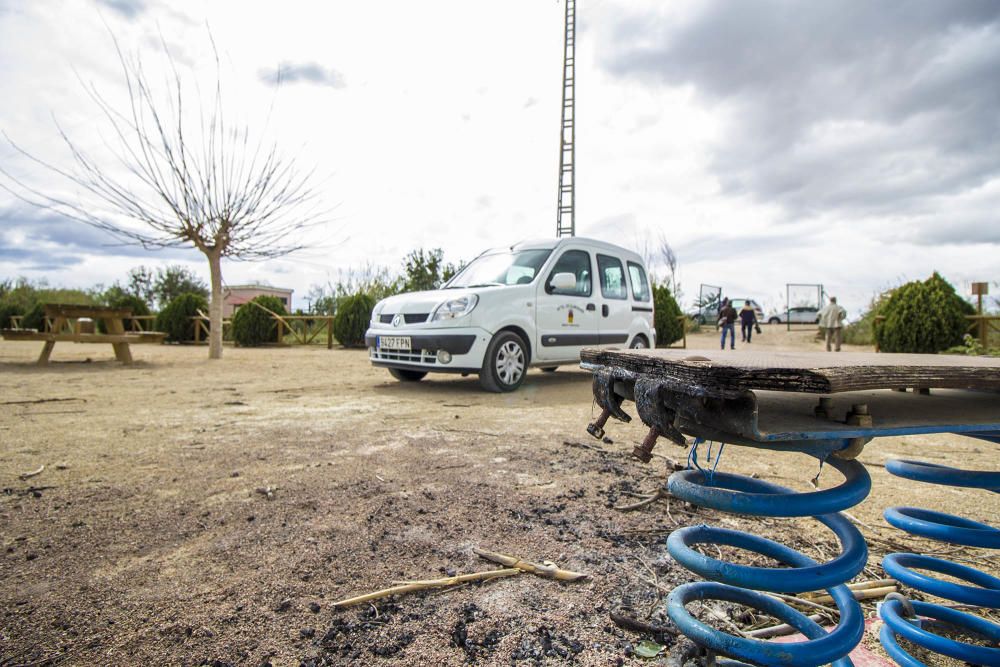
[(748, 318), (727, 322)]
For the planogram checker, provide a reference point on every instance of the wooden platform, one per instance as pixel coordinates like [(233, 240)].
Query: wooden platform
[(805, 372)]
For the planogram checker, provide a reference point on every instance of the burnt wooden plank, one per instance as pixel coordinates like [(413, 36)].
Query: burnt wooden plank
[(816, 373)]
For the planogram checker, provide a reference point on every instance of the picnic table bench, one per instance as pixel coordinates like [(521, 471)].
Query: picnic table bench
[(66, 328)]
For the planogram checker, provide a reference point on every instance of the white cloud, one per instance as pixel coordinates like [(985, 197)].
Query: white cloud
[(436, 125)]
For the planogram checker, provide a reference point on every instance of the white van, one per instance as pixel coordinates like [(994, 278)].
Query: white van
[(532, 304)]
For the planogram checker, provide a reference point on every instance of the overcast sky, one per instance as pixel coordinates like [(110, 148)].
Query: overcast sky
[(850, 143)]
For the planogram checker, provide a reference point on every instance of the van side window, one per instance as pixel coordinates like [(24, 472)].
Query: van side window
[(640, 286), (576, 262), (612, 277)]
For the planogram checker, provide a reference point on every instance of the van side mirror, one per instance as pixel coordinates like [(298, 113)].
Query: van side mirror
[(563, 281)]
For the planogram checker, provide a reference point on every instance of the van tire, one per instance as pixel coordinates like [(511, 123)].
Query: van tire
[(505, 364), (639, 343), (407, 376), (774, 320)]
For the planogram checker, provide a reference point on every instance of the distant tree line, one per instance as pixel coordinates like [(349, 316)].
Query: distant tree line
[(422, 270), (143, 291)]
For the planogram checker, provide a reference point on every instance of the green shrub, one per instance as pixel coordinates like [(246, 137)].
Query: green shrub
[(8, 310), (175, 320), (253, 326), (351, 321), (34, 318), (669, 328), (130, 301), (923, 317), (973, 347)]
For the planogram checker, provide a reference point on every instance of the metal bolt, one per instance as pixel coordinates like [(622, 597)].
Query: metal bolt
[(596, 429), (860, 408), (644, 450), (822, 410)]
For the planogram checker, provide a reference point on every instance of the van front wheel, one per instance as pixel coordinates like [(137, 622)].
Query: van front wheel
[(505, 364), (407, 376)]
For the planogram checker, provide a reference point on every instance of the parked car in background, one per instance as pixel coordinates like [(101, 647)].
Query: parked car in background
[(531, 304), (796, 315), (710, 314)]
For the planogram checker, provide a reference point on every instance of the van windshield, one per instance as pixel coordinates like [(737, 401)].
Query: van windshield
[(501, 268)]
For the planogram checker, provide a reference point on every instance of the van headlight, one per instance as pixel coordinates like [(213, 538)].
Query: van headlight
[(455, 308), (376, 311)]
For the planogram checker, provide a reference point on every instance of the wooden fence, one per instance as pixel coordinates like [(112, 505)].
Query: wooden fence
[(292, 329)]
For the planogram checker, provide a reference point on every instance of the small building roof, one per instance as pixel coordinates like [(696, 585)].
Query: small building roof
[(259, 287)]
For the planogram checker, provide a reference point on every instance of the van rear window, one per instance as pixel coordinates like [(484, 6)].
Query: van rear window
[(640, 286), (612, 277)]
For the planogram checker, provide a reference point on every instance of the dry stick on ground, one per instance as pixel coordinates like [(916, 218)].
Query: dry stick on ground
[(634, 624), (779, 630), (427, 584), (514, 566), (584, 445), (712, 611), (546, 569), (646, 500), (33, 473)]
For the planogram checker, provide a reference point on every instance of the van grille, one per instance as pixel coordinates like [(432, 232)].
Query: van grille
[(409, 318), (409, 356)]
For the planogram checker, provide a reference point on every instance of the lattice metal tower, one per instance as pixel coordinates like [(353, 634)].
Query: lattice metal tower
[(565, 213)]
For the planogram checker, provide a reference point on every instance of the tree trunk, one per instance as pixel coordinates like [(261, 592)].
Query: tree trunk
[(215, 307)]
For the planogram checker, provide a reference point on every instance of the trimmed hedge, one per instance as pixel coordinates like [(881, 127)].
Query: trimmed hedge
[(34, 318), (130, 301), (669, 328), (8, 310), (175, 320), (253, 326), (923, 317), (352, 318)]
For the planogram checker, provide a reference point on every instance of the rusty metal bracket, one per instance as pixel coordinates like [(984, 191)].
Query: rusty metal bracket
[(655, 414), (609, 401)]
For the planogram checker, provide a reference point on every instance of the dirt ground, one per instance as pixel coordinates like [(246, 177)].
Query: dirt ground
[(150, 538)]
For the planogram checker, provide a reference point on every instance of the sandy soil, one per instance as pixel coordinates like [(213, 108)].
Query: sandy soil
[(146, 540)]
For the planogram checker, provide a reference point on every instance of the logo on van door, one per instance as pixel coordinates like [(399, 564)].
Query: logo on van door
[(570, 314)]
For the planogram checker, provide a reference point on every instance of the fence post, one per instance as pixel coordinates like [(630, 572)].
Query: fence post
[(329, 333)]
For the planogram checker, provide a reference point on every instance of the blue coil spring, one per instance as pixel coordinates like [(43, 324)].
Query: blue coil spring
[(733, 582), (985, 591)]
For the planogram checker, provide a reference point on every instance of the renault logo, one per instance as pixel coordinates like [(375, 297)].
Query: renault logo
[(397, 320)]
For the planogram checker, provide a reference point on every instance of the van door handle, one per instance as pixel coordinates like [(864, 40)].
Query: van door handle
[(604, 309), (591, 306)]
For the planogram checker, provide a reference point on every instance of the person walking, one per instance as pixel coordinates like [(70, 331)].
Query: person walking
[(727, 322), (831, 320), (748, 319)]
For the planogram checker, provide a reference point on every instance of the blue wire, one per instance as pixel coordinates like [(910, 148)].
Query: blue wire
[(718, 455)]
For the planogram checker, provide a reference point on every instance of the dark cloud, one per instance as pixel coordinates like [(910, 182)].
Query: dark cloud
[(833, 105), (29, 236), (127, 8), (304, 73)]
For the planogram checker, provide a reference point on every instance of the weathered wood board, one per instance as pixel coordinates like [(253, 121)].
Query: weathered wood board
[(814, 373)]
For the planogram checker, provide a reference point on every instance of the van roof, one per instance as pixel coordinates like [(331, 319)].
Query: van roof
[(552, 244)]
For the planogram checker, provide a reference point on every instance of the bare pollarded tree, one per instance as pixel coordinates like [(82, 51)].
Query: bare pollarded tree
[(181, 177)]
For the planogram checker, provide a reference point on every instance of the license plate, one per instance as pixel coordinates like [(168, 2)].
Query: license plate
[(394, 342)]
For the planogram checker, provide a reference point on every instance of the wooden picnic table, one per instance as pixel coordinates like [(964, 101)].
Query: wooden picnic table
[(66, 327)]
